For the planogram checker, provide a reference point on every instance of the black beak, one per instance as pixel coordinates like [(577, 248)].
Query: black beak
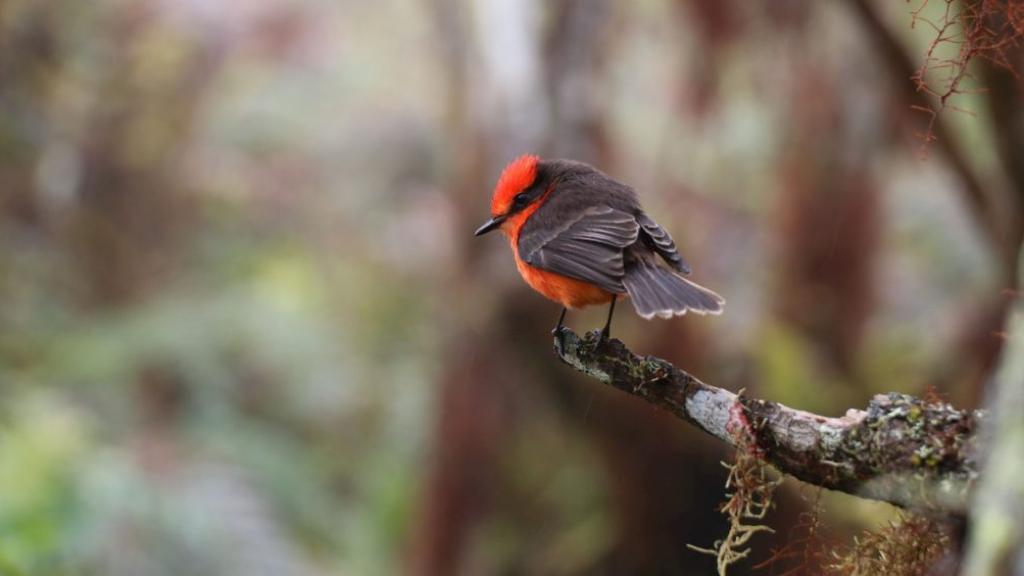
[(489, 225)]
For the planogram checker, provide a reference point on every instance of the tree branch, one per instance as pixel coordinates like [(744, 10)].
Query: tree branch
[(901, 449)]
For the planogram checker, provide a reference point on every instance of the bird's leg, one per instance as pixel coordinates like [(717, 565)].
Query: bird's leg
[(558, 333), (561, 318), (607, 330)]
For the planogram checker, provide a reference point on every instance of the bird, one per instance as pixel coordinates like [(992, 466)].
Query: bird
[(580, 238)]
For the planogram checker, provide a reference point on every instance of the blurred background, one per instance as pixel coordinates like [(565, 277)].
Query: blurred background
[(245, 327)]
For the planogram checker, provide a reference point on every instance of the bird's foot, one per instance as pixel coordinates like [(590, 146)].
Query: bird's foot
[(559, 333)]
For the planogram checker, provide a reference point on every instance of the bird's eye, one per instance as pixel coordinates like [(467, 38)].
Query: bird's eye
[(521, 199)]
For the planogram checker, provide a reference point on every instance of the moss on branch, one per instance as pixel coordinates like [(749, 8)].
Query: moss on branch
[(901, 449)]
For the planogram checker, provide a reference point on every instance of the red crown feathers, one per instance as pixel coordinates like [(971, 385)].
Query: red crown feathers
[(517, 176)]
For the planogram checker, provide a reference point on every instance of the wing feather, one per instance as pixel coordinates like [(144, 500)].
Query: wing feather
[(588, 247), (662, 243)]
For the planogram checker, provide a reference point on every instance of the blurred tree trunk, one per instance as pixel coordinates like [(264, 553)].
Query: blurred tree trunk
[(716, 27), (26, 54), (576, 53), (996, 531), (132, 217), (471, 412), (995, 544), (1004, 89), (830, 221)]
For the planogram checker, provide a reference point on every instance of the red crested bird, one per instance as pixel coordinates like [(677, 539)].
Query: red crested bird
[(580, 238)]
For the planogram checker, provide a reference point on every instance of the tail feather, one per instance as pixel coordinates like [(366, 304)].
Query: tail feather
[(657, 291)]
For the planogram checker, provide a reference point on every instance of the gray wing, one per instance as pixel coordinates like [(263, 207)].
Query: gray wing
[(662, 243), (587, 247)]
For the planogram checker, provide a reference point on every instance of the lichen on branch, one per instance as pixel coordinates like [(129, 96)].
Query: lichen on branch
[(901, 449)]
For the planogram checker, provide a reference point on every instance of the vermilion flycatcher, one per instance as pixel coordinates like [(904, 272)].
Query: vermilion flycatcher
[(581, 238)]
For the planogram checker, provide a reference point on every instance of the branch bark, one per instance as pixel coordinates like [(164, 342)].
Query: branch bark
[(901, 449)]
